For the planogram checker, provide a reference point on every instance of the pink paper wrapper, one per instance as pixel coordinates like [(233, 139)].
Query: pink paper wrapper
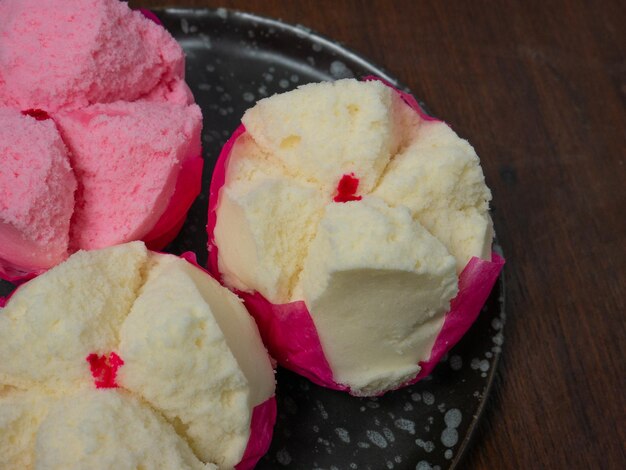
[(288, 330), (188, 187), (217, 181), (16, 275), (291, 338), (475, 284), (261, 429), (150, 15)]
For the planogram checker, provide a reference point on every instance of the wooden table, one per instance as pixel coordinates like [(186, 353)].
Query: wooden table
[(540, 91)]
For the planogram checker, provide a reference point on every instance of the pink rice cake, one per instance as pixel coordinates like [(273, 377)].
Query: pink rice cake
[(57, 54), (36, 192), (112, 82), (127, 158)]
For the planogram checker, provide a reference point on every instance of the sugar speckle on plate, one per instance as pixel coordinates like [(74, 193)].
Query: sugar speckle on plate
[(322, 409), (389, 435), (405, 425), (283, 457), (453, 418), (456, 362), (343, 435), (340, 70), (222, 13), (376, 438), (449, 437)]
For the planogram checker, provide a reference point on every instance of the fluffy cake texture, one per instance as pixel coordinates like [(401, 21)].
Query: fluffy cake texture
[(268, 219), (57, 54), (439, 179), (109, 429), (320, 131), (193, 367), (347, 199), (36, 192), (127, 164), (123, 152), (21, 413), (376, 284)]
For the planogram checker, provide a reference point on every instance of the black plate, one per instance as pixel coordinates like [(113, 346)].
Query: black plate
[(234, 59)]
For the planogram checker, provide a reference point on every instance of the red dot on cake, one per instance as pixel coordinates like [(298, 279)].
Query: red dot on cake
[(346, 189), (104, 369), (36, 113)]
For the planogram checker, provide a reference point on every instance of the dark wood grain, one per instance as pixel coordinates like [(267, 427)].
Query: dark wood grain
[(540, 91)]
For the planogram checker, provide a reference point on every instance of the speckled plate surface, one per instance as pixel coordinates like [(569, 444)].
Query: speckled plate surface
[(233, 59)]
